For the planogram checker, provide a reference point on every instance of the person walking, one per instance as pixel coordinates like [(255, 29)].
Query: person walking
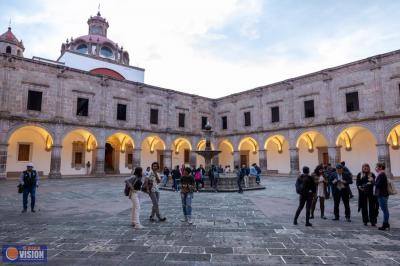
[(166, 173), (321, 183), (305, 187), (176, 178), (367, 202), (341, 181), (29, 180), (187, 189), (382, 193), (135, 183), (197, 178), (150, 186)]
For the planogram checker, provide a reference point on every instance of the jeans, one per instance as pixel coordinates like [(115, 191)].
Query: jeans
[(187, 203), (369, 207), (164, 180), (155, 197), (198, 182), (383, 203), (32, 191), (302, 201), (344, 195), (257, 178), (239, 182), (135, 208)]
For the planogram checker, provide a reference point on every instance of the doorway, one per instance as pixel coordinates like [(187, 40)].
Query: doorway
[(108, 159)]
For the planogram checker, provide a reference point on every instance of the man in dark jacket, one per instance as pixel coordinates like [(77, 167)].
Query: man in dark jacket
[(29, 179), (341, 181), (305, 187)]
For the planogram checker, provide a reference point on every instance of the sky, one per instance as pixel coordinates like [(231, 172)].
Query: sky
[(214, 48)]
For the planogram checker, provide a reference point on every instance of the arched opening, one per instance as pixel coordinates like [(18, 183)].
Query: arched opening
[(393, 140), (357, 146), (313, 149), (181, 152), (8, 50), (118, 157), (226, 155), (78, 148), (278, 156), (29, 144), (152, 151), (248, 148)]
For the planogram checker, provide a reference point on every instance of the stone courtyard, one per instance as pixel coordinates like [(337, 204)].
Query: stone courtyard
[(85, 221)]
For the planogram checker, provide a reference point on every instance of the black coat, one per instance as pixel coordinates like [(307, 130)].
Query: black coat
[(309, 185), (345, 176), (381, 183)]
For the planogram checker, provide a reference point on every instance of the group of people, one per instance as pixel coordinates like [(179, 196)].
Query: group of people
[(372, 189)]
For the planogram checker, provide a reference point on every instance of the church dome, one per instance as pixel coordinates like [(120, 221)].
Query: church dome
[(10, 44)]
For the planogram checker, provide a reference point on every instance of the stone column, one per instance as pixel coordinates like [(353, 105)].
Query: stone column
[(55, 161), (334, 155), (294, 161), (236, 159), (262, 154), (99, 167), (3, 160), (384, 157), (167, 159), (136, 158)]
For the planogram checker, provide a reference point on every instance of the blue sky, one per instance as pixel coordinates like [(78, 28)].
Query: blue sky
[(214, 48)]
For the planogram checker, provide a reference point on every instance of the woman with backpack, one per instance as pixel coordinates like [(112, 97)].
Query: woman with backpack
[(197, 178), (134, 184)]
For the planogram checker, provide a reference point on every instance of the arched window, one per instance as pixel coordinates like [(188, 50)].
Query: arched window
[(82, 48), (8, 50), (106, 52)]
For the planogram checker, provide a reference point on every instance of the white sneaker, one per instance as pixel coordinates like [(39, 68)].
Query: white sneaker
[(184, 220), (189, 221), (138, 226)]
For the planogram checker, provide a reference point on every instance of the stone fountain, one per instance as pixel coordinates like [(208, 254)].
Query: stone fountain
[(207, 153)]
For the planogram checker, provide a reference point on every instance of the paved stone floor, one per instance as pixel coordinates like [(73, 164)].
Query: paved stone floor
[(86, 222)]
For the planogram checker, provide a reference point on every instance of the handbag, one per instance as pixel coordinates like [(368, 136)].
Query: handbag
[(20, 188), (391, 188)]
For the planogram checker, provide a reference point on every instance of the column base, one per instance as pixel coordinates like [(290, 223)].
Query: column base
[(294, 173), (55, 176)]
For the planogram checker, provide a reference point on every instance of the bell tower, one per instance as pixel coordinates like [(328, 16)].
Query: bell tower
[(98, 25)]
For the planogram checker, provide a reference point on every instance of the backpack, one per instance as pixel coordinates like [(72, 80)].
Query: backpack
[(197, 176), (299, 185), (127, 190), (391, 188)]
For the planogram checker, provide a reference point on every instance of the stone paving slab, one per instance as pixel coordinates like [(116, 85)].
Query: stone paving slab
[(86, 222)]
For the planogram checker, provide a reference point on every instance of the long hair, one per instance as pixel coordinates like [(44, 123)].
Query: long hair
[(138, 172), (365, 165)]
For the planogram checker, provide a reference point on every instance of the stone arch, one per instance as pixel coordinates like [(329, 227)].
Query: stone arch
[(181, 151), (227, 149), (29, 143), (118, 158), (393, 139), (278, 156), (152, 150), (313, 148), (357, 146), (78, 147), (248, 149)]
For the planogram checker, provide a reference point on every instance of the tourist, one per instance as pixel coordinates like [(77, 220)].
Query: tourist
[(328, 170), (87, 168), (341, 181), (165, 176), (135, 183), (348, 172), (211, 176), (227, 169), (246, 172), (147, 172), (382, 193), (305, 187), (176, 178), (29, 180), (253, 171), (150, 186), (182, 169), (216, 178), (240, 175), (321, 183), (197, 178), (187, 195), (367, 202), (203, 174), (258, 169)]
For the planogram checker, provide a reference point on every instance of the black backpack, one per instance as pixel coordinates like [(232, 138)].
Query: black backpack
[(300, 185), (258, 169)]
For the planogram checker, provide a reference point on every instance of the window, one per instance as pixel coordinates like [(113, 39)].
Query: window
[(82, 48), (204, 120), (186, 157), (181, 118), (352, 102), (121, 112), (224, 122), (275, 114), (82, 107), (8, 50), (106, 52), (24, 152), (78, 158), (34, 100), (309, 108), (154, 116), (247, 119)]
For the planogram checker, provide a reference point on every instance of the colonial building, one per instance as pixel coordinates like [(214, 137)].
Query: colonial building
[(92, 106)]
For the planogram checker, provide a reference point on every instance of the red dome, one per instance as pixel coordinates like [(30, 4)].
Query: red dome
[(107, 72), (9, 37)]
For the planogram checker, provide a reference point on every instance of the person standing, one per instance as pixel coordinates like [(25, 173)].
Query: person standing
[(176, 177), (382, 193), (253, 172), (341, 181), (305, 187), (88, 168), (150, 185), (367, 202), (187, 189), (147, 172), (348, 172), (197, 178), (29, 180), (135, 183), (321, 183), (211, 176), (240, 176), (166, 173)]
